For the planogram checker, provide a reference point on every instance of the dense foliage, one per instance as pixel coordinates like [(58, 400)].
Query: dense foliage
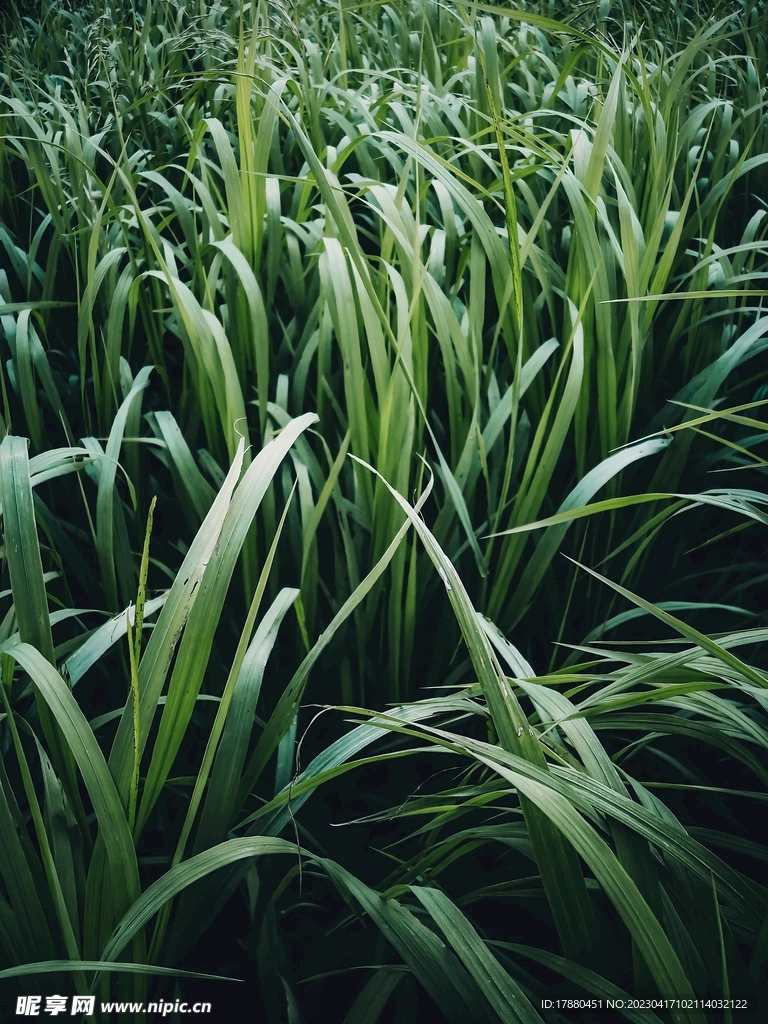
[(402, 363)]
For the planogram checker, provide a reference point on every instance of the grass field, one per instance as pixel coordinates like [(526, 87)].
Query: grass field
[(384, 570)]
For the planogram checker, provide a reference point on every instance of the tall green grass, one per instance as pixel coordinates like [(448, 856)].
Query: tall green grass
[(269, 272), (326, 235)]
